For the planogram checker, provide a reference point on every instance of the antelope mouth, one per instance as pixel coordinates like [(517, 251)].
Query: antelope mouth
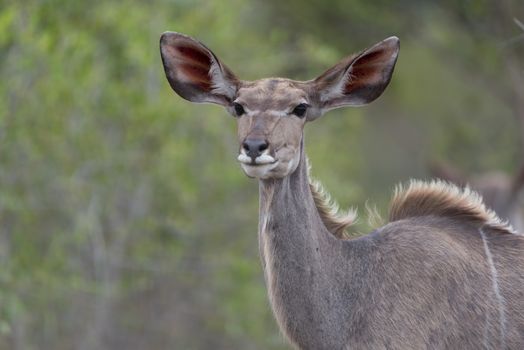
[(261, 167), (260, 161)]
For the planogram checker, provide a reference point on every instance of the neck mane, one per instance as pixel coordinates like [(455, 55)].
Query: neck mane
[(334, 220)]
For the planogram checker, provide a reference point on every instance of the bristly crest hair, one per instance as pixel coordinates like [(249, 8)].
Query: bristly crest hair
[(440, 198), (329, 211)]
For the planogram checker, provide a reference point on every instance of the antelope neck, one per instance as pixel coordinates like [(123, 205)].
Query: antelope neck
[(286, 204), (297, 250)]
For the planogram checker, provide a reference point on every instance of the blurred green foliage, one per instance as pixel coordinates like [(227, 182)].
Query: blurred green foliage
[(125, 222)]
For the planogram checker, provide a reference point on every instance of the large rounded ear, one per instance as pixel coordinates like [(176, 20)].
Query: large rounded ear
[(358, 79), (194, 72)]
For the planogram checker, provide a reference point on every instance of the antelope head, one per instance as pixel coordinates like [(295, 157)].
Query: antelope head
[(271, 113)]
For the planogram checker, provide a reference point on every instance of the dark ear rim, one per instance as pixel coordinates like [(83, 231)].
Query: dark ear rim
[(339, 74), (189, 91)]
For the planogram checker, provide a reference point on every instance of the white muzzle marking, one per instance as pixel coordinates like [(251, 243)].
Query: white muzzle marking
[(262, 159), (262, 166)]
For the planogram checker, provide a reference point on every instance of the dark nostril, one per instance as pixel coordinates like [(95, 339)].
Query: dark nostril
[(262, 147), (254, 147)]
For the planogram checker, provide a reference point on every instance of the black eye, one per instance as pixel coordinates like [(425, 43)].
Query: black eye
[(239, 110), (300, 110)]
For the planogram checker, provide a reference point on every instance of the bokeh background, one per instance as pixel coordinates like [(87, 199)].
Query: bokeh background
[(125, 221)]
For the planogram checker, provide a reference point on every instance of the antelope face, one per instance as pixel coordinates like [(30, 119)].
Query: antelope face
[(271, 113)]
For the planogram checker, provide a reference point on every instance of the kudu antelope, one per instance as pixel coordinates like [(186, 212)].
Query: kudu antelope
[(444, 273)]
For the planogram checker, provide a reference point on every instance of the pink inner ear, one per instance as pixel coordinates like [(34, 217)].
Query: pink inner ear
[(374, 55), (193, 54), (368, 70), (192, 65), (363, 75), (196, 75)]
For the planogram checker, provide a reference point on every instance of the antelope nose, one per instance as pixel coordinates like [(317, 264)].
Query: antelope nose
[(254, 147)]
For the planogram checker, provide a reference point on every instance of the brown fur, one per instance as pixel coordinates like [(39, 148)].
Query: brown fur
[(335, 222), (442, 199), (446, 273)]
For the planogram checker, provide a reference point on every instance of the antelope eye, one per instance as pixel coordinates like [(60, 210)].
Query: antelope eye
[(300, 110), (239, 110)]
